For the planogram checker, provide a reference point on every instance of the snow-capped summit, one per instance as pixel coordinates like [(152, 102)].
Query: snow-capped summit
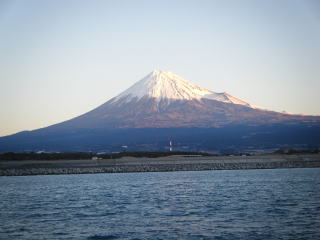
[(163, 105), (162, 85), (164, 100)]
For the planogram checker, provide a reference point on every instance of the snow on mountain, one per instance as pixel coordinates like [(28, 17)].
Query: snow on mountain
[(162, 85), (225, 97)]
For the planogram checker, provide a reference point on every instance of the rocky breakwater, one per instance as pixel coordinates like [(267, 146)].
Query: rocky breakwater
[(163, 164)]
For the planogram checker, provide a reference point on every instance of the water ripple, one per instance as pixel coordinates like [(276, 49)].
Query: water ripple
[(252, 204)]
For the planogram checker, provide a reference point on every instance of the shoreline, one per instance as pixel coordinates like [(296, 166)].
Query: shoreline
[(162, 164)]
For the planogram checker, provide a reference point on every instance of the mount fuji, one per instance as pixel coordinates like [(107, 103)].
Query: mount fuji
[(163, 105), (165, 100), (167, 86)]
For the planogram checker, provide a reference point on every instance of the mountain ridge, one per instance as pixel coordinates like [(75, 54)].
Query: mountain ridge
[(166, 85), (148, 113), (163, 100), (162, 106)]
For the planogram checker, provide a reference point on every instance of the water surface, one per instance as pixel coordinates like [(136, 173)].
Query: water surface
[(243, 204)]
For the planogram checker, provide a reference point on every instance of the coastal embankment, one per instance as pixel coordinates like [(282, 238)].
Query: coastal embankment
[(161, 164)]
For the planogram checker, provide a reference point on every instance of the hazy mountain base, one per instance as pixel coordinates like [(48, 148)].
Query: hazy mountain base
[(231, 139)]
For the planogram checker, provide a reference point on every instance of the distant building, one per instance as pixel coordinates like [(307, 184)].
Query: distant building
[(124, 148)]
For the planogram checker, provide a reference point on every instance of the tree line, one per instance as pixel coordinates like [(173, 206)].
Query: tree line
[(83, 155)]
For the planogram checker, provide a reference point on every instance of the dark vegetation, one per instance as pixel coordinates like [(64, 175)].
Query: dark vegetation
[(82, 155)]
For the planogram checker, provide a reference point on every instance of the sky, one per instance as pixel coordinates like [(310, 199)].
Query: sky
[(60, 59)]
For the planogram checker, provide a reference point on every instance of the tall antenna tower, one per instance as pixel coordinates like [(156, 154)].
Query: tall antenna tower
[(170, 145)]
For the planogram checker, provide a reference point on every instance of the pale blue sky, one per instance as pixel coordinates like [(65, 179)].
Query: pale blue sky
[(59, 59)]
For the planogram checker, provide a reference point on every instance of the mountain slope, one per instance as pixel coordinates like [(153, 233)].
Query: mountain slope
[(163, 99), (160, 85), (149, 113), (163, 105)]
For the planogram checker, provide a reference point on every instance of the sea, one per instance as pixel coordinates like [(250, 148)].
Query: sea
[(228, 204)]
